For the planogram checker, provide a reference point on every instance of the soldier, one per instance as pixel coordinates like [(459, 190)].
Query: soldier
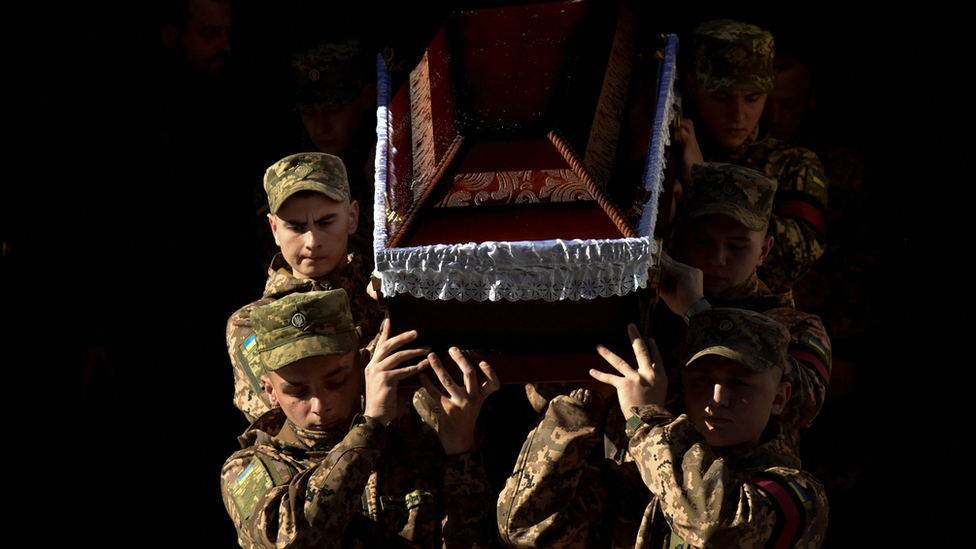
[(733, 73), (792, 98), (311, 218), (340, 460), (722, 475), (198, 32), (334, 87), (723, 238)]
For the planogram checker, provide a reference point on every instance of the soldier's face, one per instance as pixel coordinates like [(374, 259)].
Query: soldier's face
[(729, 403), (725, 250), (333, 127), (729, 115), (788, 102), (206, 40), (319, 392), (313, 233)]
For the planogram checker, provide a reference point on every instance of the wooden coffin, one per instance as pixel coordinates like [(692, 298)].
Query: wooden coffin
[(495, 227)]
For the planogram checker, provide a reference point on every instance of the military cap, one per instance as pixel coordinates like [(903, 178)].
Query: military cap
[(331, 73), (747, 337), (744, 195), (313, 171), (730, 55), (303, 325)]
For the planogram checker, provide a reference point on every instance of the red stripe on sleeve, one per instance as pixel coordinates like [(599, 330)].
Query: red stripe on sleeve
[(798, 208), (790, 512), (812, 359)]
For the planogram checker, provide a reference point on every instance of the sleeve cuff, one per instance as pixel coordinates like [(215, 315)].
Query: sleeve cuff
[(651, 415)]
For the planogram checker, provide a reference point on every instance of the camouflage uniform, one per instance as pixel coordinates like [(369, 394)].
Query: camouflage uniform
[(362, 486), (798, 222), (249, 396), (694, 495), (324, 174), (733, 55), (747, 196), (557, 498), (365, 486), (808, 364)]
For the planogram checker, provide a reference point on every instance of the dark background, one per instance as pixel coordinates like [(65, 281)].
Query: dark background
[(121, 270)]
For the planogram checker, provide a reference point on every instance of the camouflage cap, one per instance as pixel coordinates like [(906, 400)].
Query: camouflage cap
[(313, 171), (303, 325), (747, 337), (730, 55), (332, 73), (744, 195)]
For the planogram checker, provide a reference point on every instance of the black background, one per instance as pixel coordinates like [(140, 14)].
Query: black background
[(109, 253)]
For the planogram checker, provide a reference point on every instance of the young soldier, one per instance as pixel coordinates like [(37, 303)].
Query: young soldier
[(334, 86), (722, 475), (733, 73), (311, 218), (340, 461), (723, 238)]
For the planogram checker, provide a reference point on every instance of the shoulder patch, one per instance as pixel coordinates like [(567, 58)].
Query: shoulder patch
[(815, 184), (794, 508), (249, 486), (810, 349), (818, 179), (247, 355)]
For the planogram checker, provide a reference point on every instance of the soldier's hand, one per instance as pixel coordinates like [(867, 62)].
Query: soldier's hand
[(648, 384), (688, 290), (690, 151), (459, 405), (383, 373)]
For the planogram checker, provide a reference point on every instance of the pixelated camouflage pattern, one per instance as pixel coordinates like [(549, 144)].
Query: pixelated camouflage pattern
[(741, 193), (747, 337), (364, 487), (312, 171), (702, 491), (798, 243), (352, 277), (809, 388), (330, 74), (730, 55), (304, 325), (557, 498)]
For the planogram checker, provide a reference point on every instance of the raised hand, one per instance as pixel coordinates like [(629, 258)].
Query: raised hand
[(383, 373), (648, 384), (689, 289), (459, 405)]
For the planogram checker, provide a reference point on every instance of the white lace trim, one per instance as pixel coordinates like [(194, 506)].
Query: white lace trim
[(546, 269), (549, 269)]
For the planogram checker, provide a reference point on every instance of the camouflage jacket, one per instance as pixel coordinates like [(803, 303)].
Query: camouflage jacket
[(249, 396), (799, 218), (366, 487), (808, 359), (557, 498), (723, 497)]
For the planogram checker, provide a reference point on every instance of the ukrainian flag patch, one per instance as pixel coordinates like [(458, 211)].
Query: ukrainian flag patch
[(819, 180)]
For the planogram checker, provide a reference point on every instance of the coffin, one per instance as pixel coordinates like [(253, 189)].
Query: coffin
[(503, 225)]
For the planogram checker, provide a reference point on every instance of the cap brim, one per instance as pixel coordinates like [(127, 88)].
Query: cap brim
[(746, 360)]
